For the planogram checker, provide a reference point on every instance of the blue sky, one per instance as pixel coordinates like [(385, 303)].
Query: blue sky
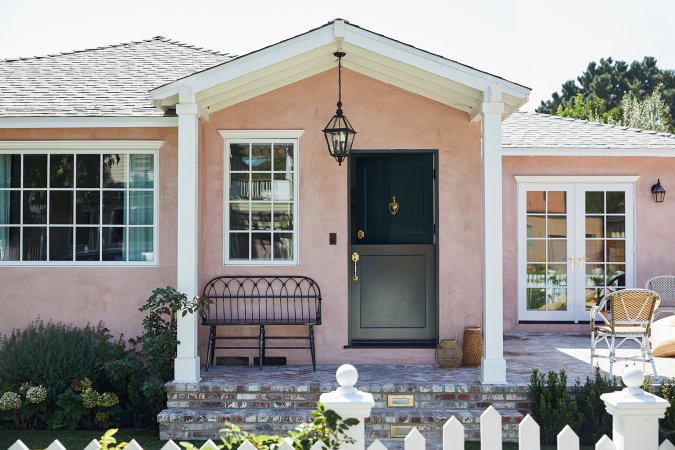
[(538, 43)]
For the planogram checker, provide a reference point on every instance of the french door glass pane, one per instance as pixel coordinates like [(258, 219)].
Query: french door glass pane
[(547, 223)]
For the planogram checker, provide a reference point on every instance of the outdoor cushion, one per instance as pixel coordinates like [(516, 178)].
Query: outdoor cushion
[(663, 337)]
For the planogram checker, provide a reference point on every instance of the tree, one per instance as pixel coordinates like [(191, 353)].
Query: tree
[(649, 114), (606, 83)]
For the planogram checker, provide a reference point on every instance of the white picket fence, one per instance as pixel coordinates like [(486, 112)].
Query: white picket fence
[(635, 423)]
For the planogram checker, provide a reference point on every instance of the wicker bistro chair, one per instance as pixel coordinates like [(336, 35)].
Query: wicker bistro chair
[(665, 286), (630, 317)]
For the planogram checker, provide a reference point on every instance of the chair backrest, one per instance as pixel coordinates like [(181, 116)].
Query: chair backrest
[(633, 307), (665, 286)]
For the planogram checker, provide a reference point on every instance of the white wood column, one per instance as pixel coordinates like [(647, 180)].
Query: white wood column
[(493, 365), (186, 367)]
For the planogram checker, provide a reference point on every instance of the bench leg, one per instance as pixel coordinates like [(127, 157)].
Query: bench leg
[(210, 347), (261, 346), (311, 346)]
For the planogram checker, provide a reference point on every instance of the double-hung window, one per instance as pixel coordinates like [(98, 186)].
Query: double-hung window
[(78, 203), (261, 198)]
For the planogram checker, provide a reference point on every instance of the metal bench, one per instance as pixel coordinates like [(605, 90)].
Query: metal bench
[(261, 300)]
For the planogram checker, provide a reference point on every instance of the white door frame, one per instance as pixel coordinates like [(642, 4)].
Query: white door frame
[(576, 186)]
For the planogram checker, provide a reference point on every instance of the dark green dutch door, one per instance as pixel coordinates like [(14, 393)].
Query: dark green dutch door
[(393, 254)]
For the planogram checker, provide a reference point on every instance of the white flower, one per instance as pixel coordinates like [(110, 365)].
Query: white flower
[(10, 400), (36, 394)]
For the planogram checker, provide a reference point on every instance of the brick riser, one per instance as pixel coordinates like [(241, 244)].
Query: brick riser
[(199, 410)]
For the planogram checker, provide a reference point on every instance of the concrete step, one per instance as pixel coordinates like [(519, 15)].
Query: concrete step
[(198, 423)]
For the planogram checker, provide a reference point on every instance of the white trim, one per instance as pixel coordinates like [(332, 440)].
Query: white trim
[(72, 145), (261, 134), (523, 151), (253, 137), (88, 122), (576, 178)]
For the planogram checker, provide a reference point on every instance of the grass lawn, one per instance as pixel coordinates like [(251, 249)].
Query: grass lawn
[(147, 437)]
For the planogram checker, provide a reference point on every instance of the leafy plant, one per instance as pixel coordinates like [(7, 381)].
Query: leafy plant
[(54, 354), (594, 419), (667, 424)]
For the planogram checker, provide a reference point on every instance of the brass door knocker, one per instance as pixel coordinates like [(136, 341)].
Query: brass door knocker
[(393, 206)]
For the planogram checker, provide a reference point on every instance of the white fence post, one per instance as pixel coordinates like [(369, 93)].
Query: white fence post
[(349, 402), (636, 413)]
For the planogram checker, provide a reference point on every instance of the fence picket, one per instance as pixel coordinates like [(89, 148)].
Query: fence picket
[(568, 439), (666, 445), (209, 445), (318, 445), (18, 445), (133, 445), (605, 443), (377, 445), (528, 434), (491, 429), (93, 445), (453, 434), (170, 445), (414, 440), (56, 445), (285, 446), (247, 446)]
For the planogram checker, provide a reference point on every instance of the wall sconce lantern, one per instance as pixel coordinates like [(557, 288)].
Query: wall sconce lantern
[(339, 132), (658, 192)]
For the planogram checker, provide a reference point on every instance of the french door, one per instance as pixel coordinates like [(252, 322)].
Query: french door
[(575, 244)]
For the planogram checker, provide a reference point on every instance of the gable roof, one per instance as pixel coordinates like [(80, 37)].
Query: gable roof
[(368, 53), (543, 134), (112, 81)]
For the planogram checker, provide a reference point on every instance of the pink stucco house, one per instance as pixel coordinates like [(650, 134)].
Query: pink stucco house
[(154, 163)]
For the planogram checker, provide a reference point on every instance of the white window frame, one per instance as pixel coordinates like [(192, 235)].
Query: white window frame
[(261, 137), (577, 186), (90, 147)]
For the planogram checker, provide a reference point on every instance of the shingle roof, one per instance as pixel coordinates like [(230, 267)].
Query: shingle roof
[(105, 81), (543, 131)]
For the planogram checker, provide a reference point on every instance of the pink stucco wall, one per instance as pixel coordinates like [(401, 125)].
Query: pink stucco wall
[(653, 222), (81, 295), (385, 118)]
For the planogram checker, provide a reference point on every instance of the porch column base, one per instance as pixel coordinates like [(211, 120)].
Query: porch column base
[(186, 369), (493, 371)]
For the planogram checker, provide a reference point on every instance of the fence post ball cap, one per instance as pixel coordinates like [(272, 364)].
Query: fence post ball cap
[(347, 375), (633, 377)]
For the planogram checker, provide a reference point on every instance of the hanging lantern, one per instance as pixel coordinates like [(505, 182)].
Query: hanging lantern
[(339, 132), (658, 192)]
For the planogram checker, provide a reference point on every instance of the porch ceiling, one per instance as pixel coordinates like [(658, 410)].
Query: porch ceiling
[(368, 53)]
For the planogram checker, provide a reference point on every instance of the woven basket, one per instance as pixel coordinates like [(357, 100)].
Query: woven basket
[(448, 354), (472, 347)]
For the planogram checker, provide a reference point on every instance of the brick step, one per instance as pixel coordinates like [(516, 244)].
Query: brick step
[(188, 423), (306, 399)]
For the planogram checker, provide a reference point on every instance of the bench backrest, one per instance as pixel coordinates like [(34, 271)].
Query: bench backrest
[(262, 299)]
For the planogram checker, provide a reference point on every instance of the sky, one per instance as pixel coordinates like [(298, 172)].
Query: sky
[(537, 43)]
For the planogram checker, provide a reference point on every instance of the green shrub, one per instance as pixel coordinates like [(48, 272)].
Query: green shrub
[(554, 405), (551, 405), (667, 424), (54, 355)]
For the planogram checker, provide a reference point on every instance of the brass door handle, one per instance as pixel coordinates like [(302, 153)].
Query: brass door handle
[(360, 234), (355, 258), (571, 260), (581, 262)]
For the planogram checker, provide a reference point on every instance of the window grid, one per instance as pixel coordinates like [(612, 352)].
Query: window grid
[(48, 226), (272, 201)]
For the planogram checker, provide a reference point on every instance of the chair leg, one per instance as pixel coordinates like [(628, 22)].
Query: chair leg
[(612, 357), (311, 346), (592, 347), (212, 355), (651, 357), (261, 346), (209, 348)]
